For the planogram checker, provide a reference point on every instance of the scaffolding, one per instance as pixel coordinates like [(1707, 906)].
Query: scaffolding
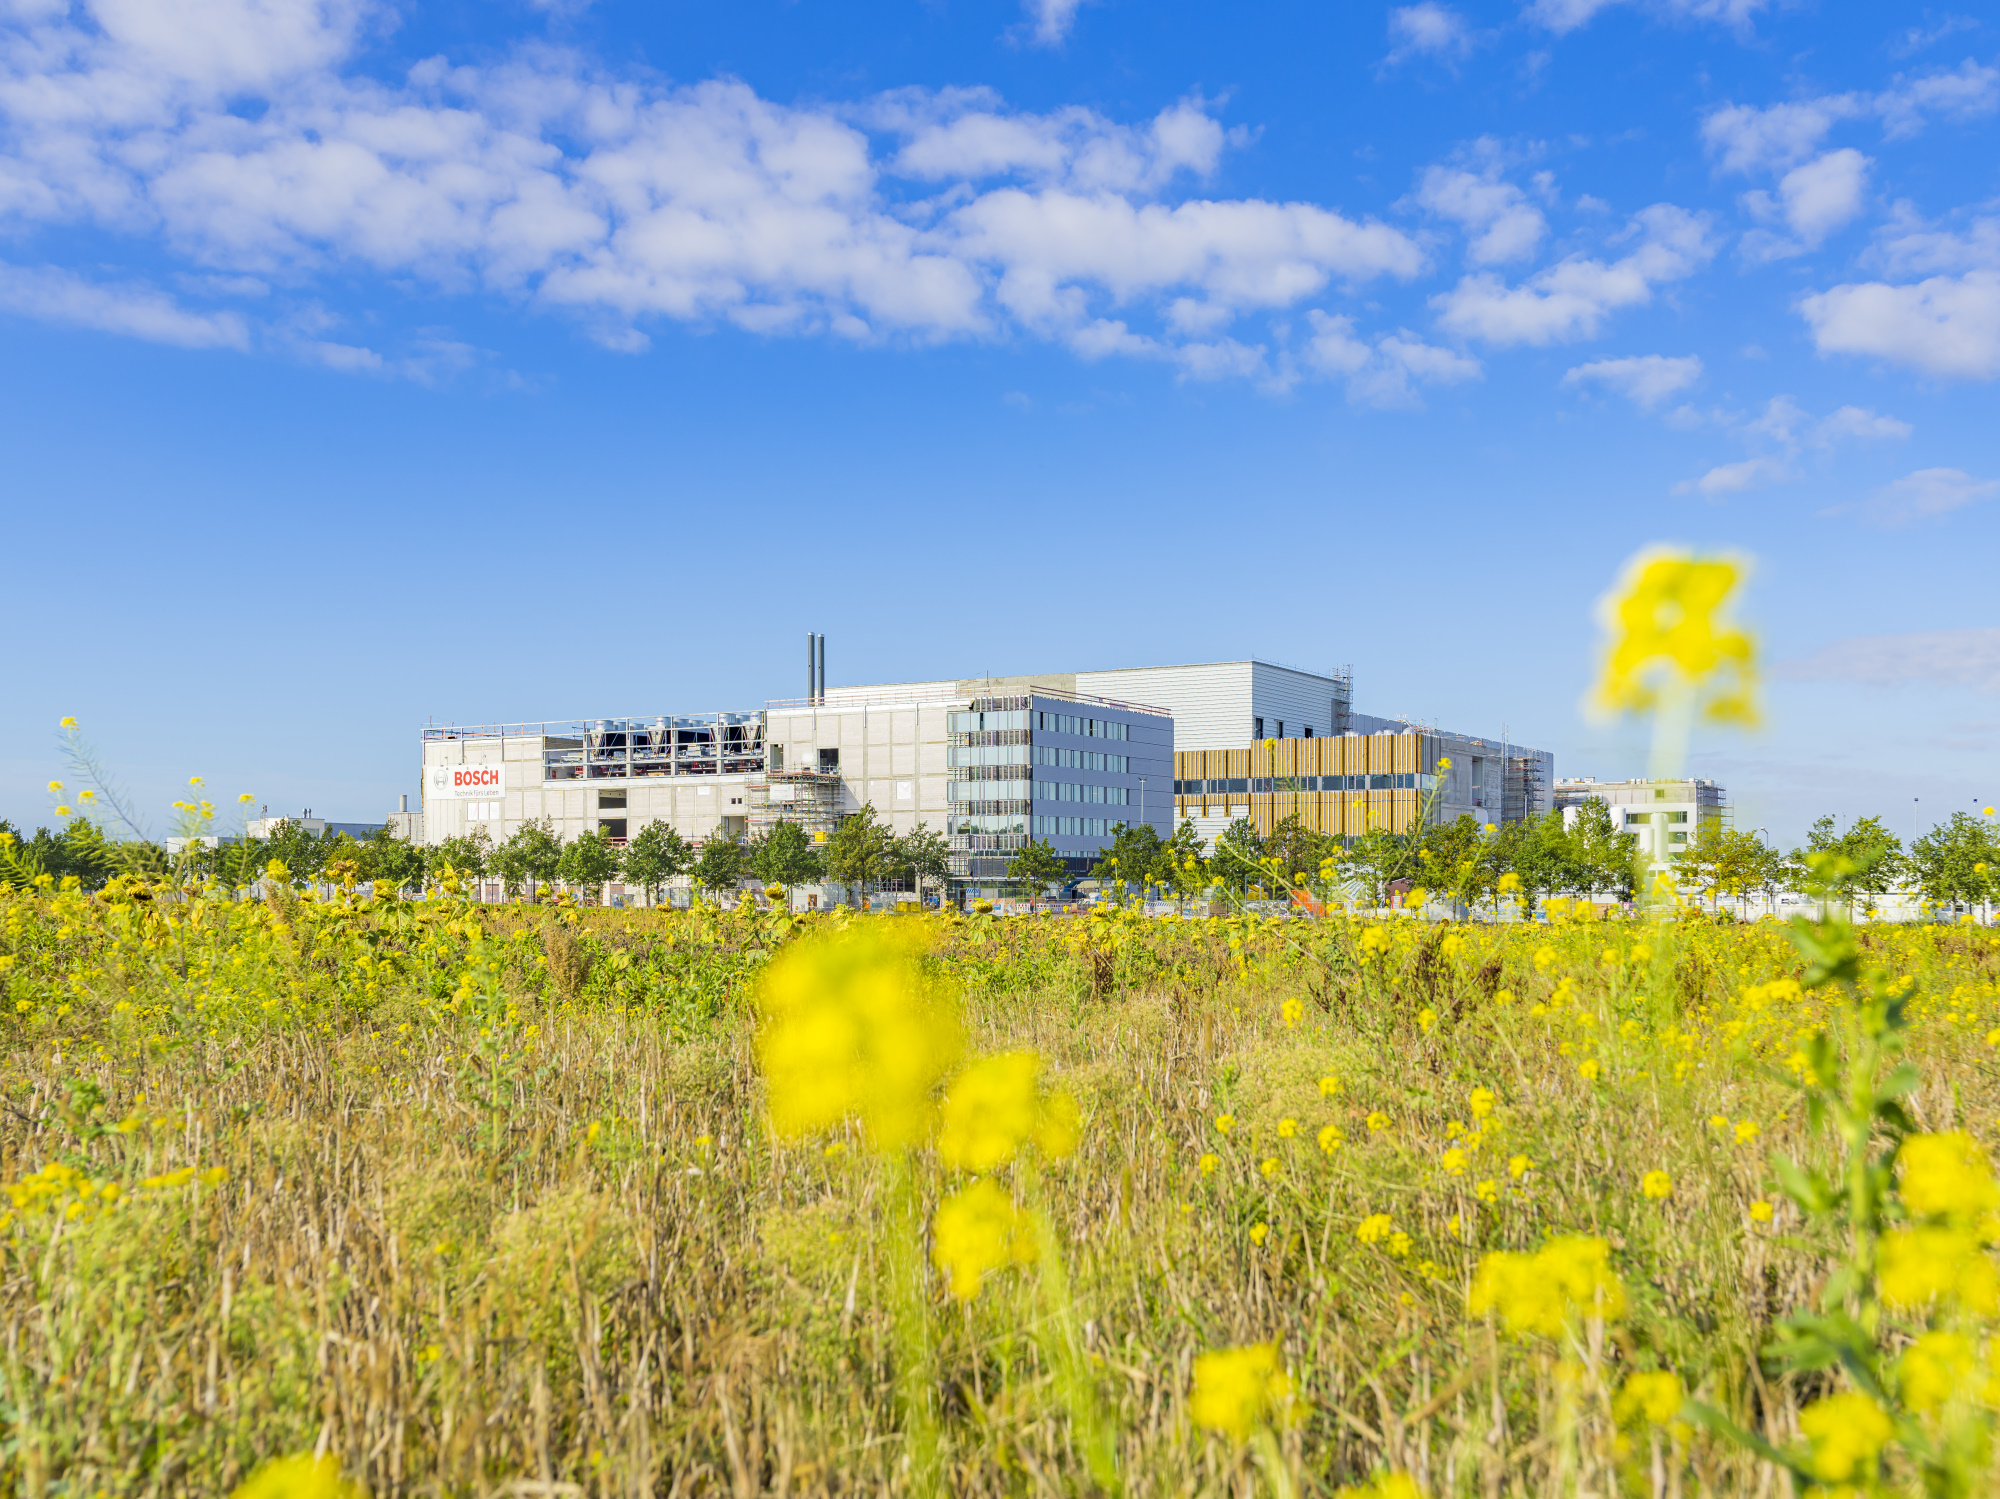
[(810, 798), (1522, 792)]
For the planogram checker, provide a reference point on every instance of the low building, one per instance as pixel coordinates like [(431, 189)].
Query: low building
[(1393, 778), (1664, 814)]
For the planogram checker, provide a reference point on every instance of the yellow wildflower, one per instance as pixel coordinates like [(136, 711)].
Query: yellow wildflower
[(1224, 1123), (1377, 1122), (1237, 1390), (1847, 1432), (995, 1107), (1760, 1212), (978, 1229), (1389, 1486), (1653, 1397), (1258, 1232), (1487, 1191), (1480, 1102), (1656, 1185), (1208, 1163), (1375, 1228), (301, 1477), (1543, 1292), (1664, 625), (851, 1029), (1331, 1138), (1328, 1086), (1933, 1369), (1287, 1128), (1746, 1131), (1268, 1166), (1919, 1266), (1519, 1166), (1946, 1176)]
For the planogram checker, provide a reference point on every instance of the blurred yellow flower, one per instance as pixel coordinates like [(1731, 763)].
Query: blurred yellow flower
[(1480, 1102), (851, 1029), (1377, 1122), (1665, 623), (1654, 1397), (1328, 1086), (1388, 1486), (1259, 1232), (54, 787), (1237, 1390), (70, 723), (1208, 1163), (301, 1477), (1375, 1228), (978, 1229), (1760, 1211), (1588, 1069), (1224, 1123), (1287, 1128), (1331, 1139), (996, 1106), (1268, 1167), (1656, 1185), (1933, 1369), (1918, 1267), (1543, 1292), (1293, 1011), (1848, 1432), (1519, 1166), (1487, 1191), (1946, 1176), (1746, 1131)]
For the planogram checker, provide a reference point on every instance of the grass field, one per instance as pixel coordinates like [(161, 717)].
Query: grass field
[(477, 1201)]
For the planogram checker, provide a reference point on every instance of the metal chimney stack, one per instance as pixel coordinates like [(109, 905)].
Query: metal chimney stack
[(815, 669)]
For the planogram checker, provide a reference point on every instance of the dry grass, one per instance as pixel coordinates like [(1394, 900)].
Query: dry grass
[(575, 1263)]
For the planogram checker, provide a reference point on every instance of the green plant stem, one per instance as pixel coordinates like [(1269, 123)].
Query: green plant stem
[(1277, 1473), (1062, 1342), (909, 1316)]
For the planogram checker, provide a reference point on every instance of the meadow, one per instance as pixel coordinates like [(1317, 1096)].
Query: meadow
[(540, 1200)]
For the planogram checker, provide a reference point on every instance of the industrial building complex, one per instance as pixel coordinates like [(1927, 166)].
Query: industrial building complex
[(993, 762)]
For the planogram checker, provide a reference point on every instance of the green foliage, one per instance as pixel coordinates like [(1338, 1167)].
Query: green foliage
[(1954, 864), (529, 857), (655, 855), (1134, 856), (1035, 867), (587, 862), (719, 865), (1862, 864), (923, 856), (786, 856), (860, 852)]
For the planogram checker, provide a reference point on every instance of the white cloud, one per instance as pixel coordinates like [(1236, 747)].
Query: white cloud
[(1386, 372), (1502, 223), (1950, 658), (1645, 379), (50, 295), (1562, 16), (228, 136), (1813, 201), (1908, 246), (1927, 494), (1732, 478), (1571, 299), (1750, 138), (1946, 325), (1050, 20), (1427, 29), (1860, 424)]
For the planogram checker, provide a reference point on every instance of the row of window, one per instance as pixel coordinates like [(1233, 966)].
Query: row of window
[(1089, 728), (1072, 827), (988, 754), (974, 723), (1645, 819), (482, 811), (1072, 759), (1244, 785), (962, 823), (1277, 729), (1064, 791), (986, 791)]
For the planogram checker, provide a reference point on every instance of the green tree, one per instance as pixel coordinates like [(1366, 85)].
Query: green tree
[(655, 855), (1953, 863), (1456, 860), (859, 852), (1371, 860), (1868, 857), (1239, 855), (923, 856), (390, 862), (469, 855), (785, 856), (1603, 859), (1133, 857), (527, 860), (1036, 867), (1298, 849), (298, 848), (1541, 855), (719, 866), (587, 862)]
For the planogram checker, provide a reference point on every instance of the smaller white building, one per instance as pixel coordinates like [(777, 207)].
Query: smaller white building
[(1665, 815)]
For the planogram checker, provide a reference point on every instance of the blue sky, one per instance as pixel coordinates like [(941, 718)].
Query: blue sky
[(362, 364)]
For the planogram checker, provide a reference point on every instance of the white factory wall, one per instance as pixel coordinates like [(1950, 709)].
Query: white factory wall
[(1216, 704)]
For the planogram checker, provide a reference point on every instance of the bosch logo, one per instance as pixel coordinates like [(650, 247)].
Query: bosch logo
[(474, 777)]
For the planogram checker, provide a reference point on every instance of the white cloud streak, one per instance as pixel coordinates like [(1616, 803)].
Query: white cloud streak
[(1945, 325), (1927, 494), (1387, 372), (1502, 224), (1427, 30), (1947, 658), (1572, 299), (50, 295), (1645, 379)]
